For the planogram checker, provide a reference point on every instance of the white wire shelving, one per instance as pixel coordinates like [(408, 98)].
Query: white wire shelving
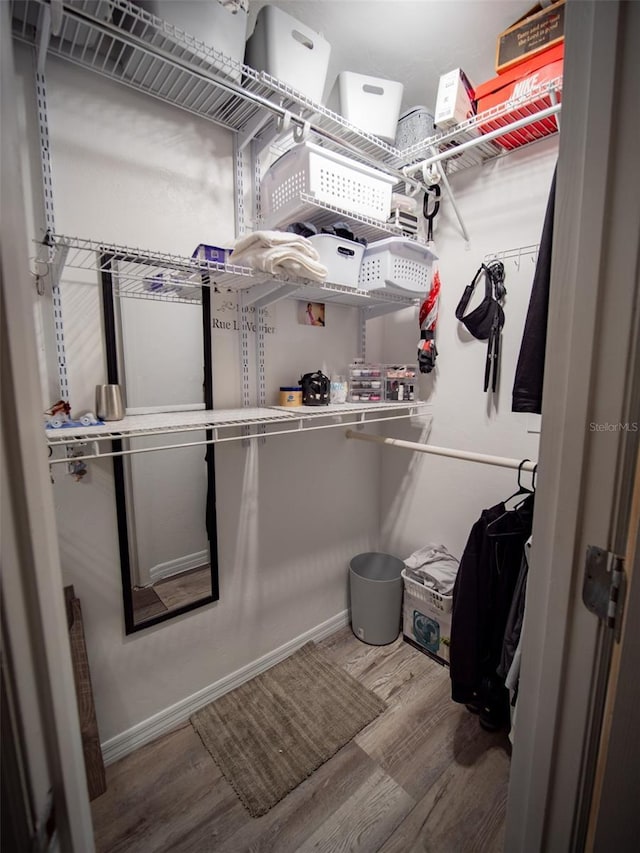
[(126, 44), (220, 426), (162, 276)]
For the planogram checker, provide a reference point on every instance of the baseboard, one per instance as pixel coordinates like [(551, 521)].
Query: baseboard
[(164, 721), (179, 565)]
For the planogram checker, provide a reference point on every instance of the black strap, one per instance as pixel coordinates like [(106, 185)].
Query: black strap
[(435, 191), (486, 321)]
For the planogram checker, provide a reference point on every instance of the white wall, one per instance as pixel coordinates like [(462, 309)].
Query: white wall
[(433, 499), (291, 513)]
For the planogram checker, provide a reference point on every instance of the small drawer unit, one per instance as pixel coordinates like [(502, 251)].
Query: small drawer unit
[(399, 382), (397, 265), (328, 177), (365, 383)]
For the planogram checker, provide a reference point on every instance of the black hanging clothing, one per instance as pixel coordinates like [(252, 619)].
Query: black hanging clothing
[(527, 385), (482, 597)]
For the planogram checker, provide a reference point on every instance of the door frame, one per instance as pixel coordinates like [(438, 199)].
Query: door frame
[(32, 586), (583, 493)]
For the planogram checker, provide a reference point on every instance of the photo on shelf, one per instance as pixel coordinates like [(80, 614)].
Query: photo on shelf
[(311, 313)]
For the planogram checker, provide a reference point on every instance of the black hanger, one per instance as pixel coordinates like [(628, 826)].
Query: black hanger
[(493, 528)]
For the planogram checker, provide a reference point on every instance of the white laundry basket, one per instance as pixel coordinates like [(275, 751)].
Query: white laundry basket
[(328, 177), (397, 264), (370, 103), (290, 51), (426, 618)]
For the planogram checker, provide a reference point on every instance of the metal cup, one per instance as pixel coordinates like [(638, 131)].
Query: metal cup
[(109, 406)]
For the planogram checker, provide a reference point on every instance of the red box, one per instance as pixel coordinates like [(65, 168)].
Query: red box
[(526, 87)]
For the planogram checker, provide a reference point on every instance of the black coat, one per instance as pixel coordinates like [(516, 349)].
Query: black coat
[(482, 596), (527, 385)]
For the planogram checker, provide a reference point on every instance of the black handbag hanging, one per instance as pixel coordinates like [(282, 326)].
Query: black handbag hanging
[(486, 321)]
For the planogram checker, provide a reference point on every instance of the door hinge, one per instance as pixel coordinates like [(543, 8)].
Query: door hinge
[(604, 586)]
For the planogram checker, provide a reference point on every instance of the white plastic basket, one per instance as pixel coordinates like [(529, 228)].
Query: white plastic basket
[(289, 50), (341, 257), (397, 264), (328, 177), (371, 103), (429, 596)]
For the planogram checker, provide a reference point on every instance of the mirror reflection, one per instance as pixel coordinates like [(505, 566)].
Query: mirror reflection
[(165, 499)]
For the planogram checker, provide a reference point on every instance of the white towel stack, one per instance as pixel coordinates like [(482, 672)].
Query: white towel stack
[(279, 253)]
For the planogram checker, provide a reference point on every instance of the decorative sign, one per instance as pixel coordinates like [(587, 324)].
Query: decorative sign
[(225, 317)]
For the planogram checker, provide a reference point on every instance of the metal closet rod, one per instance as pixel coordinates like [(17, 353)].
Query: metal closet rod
[(234, 89), (467, 455)]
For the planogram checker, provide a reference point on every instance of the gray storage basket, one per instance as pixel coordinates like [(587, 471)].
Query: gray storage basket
[(415, 125)]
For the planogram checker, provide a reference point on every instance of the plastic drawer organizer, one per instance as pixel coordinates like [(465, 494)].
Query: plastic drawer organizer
[(397, 264), (328, 177), (373, 383)]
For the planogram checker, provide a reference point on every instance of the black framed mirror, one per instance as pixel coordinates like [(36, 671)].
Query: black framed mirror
[(165, 498)]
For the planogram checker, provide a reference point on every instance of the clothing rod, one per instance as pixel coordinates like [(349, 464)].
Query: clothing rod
[(500, 461)]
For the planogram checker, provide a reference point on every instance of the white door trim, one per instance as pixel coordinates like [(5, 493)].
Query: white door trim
[(590, 331), (32, 584)]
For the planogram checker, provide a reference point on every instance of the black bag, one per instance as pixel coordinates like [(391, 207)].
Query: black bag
[(315, 389)]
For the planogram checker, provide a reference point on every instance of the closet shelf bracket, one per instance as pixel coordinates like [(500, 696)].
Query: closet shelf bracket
[(604, 587)]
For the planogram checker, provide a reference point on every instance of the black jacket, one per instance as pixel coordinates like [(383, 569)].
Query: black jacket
[(527, 385), (482, 596)]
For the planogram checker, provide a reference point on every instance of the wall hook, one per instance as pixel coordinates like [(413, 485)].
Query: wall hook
[(283, 122)]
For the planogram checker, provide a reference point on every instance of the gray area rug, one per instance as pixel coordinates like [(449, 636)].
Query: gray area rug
[(271, 733)]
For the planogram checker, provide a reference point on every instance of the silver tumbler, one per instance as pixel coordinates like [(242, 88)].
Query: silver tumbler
[(109, 406)]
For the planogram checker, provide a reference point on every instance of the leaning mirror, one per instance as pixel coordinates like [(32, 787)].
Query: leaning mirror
[(158, 348)]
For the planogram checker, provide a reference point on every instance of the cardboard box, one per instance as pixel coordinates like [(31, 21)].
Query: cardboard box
[(530, 78), (455, 102), (426, 619), (536, 31)]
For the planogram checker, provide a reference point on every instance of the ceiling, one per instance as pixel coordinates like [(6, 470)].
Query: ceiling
[(412, 41)]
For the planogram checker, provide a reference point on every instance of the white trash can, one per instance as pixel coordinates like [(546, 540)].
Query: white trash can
[(375, 585)]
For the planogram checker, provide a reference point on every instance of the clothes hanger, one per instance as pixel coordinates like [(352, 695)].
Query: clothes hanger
[(523, 494)]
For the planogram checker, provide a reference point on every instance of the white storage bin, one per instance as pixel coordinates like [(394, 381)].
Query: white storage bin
[(328, 177), (370, 103), (414, 126), (220, 27), (290, 51), (397, 264), (341, 257)]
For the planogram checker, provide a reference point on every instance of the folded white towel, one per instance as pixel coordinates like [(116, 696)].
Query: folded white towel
[(279, 253)]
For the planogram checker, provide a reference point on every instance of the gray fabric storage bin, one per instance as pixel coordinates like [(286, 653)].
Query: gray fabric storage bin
[(375, 584), (414, 126)]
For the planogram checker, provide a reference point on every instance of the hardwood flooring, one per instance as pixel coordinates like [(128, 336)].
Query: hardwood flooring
[(421, 778), (171, 593)]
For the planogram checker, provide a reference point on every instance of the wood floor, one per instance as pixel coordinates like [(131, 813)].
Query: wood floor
[(422, 777), (170, 593)]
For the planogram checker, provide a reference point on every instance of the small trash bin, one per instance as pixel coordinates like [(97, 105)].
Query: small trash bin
[(375, 584)]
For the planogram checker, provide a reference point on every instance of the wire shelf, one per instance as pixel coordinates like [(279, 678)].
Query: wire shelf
[(224, 425), (127, 44), (161, 276)]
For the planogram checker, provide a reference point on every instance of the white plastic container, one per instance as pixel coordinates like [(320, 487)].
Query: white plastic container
[(327, 176), (455, 100), (370, 103), (397, 264), (426, 618), (414, 126), (290, 51), (208, 21), (341, 257)]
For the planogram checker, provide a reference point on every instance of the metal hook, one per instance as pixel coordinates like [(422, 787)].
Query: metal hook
[(520, 466), (283, 122), (300, 132)]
